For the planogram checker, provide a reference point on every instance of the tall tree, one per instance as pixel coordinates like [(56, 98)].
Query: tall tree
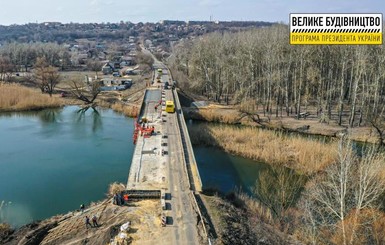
[(346, 189), (46, 76)]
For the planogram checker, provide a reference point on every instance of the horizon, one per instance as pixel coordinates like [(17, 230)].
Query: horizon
[(108, 11), (151, 22)]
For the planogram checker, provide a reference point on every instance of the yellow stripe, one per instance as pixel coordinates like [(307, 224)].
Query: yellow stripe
[(336, 38)]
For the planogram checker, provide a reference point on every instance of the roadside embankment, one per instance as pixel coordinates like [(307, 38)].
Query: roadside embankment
[(144, 217), (239, 219)]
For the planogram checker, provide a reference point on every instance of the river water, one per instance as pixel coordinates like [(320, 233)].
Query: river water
[(225, 172), (54, 160)]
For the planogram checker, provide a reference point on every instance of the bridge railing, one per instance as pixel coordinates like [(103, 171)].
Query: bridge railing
[(195, 182), (191, 157)]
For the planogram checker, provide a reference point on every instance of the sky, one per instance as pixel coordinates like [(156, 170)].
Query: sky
[(113, 11)]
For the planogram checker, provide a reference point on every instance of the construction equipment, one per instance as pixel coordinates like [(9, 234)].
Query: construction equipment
[(143, 129)]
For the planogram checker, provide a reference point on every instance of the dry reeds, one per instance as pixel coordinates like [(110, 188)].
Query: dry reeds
[(256, 208), (127, 110), (5, 230), (14, 97), (304, 155), (115, 188), (214, 115), (248, 106)]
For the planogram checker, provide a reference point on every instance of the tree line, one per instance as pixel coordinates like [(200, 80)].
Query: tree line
[(338, 82), (22, 56)]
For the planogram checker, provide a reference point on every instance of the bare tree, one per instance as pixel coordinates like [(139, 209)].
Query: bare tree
[(144, 59), (343, 83), (278, 188), (6, 68), (95, 65), (86, 91), (336, 200), (47, 77)]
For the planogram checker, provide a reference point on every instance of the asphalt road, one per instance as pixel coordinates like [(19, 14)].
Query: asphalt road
[(182, 218)]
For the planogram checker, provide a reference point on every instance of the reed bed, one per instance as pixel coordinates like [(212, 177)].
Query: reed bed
[(14, 97), (215, 115), (256, 208), (127, 110), (306, 156)]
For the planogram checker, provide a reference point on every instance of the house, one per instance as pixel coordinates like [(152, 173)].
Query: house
[(115, 84), (127, 61), (107, 69), (116, 65), (131, 39)]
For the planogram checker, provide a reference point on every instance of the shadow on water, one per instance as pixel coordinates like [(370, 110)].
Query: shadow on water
[(45, 116), (277, 187), (220, 170)]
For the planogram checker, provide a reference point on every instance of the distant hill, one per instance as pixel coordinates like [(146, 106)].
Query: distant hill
[(64, 33)]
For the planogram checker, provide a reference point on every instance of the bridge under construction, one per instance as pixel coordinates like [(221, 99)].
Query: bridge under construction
[(163, 164)]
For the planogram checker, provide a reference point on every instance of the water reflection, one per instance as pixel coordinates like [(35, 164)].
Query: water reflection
[(225, 172), (97, 120), (61, 158), (49, 116), (96, 117)]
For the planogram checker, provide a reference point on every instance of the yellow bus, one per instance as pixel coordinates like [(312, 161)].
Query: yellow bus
[(170, 106), (160, 70)]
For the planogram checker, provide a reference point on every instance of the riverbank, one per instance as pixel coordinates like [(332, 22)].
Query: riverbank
[(18, 98), (306, 156), (309, 126), (14, 97), (239, 219), (231, 218), (71, 229)]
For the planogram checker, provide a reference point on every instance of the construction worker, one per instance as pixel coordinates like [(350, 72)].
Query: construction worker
[(87, 221), (94, 221)]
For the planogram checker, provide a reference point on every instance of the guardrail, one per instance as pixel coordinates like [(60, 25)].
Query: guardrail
[(190, 160)]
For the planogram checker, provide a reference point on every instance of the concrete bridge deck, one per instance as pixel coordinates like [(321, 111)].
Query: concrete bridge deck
[(174, 172)]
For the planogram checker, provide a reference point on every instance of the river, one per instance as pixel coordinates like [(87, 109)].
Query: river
[(54, 160), (226, 172)]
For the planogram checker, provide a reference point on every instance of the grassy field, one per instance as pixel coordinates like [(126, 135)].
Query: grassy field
[(14, 97), (306, 156)]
